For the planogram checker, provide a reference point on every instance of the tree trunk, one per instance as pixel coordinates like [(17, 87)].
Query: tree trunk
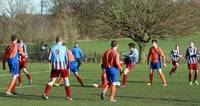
[(141, 51)]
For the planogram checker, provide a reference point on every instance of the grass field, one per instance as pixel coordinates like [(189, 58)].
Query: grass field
[(177, 93), (167, 44)]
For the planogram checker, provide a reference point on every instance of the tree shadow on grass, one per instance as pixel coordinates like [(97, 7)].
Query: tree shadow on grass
[(39, 97), (23, 96), (162, 99), (78, 85), (139, 82), (157, 99)]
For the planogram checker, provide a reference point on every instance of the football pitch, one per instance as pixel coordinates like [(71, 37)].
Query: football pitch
[(177, 93)]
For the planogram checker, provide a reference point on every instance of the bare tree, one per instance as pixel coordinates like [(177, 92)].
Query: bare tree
[(143, 20), (61, 12), (14, 7)]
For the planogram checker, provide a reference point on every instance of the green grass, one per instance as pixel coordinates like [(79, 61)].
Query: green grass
[(167, 44), (177, 93)]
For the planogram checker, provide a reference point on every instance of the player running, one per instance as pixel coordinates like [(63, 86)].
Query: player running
[(130, 61), (78, 54), (192, 55), (23, 63), (175, 56), (59, 62), (156, 54), (73, 68), (11, 56), (111, 63)]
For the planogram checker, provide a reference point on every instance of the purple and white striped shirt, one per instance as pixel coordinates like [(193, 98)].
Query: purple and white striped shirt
[(192, 55), (175, 55)]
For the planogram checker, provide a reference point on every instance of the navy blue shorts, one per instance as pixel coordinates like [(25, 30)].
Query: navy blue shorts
[(112, 74), (78, 60), (155, 65)]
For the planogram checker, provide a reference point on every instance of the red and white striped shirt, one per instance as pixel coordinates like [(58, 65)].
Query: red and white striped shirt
[(58, 57)]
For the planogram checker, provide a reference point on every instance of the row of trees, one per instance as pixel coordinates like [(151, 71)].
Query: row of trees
[(139, 20), (20, 18)]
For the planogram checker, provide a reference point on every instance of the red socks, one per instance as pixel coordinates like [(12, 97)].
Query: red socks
[(19, 78), (68, 91), (79, 80), (28, 76), (173, 70), (47, 89), (124, 79), (150, 77), (195, 76)]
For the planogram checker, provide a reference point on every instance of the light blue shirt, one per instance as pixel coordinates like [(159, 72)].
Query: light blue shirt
[(58, 56), (133, 56), (136, 55)]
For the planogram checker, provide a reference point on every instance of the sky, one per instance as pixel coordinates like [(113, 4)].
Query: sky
[(36, 6)]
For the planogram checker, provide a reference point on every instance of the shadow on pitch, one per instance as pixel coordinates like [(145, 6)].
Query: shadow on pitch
[(156, 99), (162, 99), (139, 82), (29, 97), (24, 96), (78, 85), (39, 97)]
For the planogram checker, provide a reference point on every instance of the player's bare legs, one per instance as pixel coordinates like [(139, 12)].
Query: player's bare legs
[(78, 77), (12, 85), (28, 75), (112, 92), (59, 81), (103, 93), (162, 77), (103, 79), (173, 70), (20, 79), (125, 77)]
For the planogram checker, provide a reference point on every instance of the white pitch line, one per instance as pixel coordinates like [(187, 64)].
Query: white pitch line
[(5, 75), (27, 86)]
